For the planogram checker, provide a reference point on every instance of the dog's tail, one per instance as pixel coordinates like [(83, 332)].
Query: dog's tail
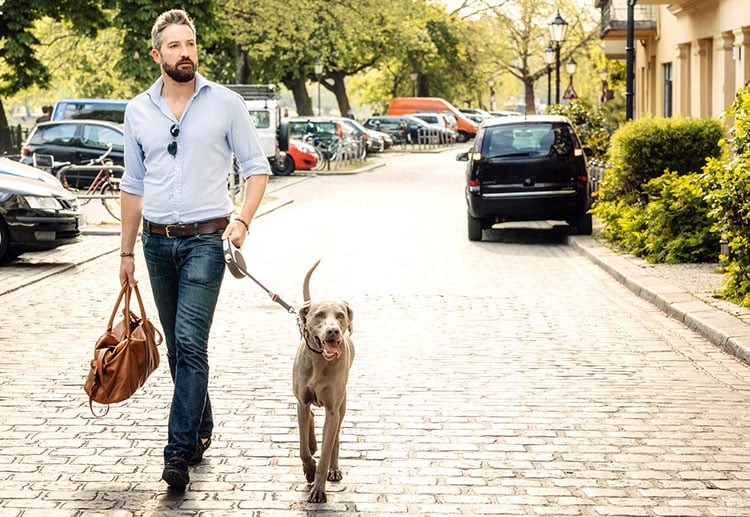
[(306, 283)]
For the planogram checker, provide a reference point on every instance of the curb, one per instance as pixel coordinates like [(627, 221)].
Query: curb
[(724, 330)]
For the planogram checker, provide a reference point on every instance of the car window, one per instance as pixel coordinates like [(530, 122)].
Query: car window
[(100, 137), (113, 112), (528, 140), (60, 134), (261, 118)]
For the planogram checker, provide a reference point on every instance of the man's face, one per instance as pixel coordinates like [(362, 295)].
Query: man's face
[(178, 56)]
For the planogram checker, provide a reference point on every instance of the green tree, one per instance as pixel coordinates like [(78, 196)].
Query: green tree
[(20, 67)]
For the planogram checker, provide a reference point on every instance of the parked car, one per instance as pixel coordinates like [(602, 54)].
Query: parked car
[(299, 157), (112, 110), (77, 142), (402, 128), (409, 105), (370, 144), (528, 168), (438, 121), (35, 214)]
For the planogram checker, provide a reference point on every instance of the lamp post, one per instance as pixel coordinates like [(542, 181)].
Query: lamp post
[(570, 67), (549, 58), (558, 28), (318, 74), (630, 62), (491, 84), (604, 75), (413, 76)]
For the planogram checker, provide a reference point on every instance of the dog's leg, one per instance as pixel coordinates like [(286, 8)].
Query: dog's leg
[(306, 428), (312, 440), (330, 431), (334, 472)]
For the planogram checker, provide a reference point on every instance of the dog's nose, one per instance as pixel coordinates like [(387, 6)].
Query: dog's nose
[(333, 332)]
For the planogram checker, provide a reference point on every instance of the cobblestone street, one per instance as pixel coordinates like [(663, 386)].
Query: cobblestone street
[(511, 376)]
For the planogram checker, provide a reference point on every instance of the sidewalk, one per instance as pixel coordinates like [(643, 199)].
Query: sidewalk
[(686, 292)]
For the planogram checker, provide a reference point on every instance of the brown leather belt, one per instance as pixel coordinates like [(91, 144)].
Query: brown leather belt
[(173, 231)]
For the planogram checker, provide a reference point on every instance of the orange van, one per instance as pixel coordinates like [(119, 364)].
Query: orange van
[(407, 105)]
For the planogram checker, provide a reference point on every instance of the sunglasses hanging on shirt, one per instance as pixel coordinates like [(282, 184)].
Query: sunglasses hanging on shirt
[(175, 132)]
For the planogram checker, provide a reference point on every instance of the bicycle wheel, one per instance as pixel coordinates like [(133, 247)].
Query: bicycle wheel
[(112, 200)]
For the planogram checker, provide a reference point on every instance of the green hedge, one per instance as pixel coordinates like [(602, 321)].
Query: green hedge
[(644, 149), (653, 200)]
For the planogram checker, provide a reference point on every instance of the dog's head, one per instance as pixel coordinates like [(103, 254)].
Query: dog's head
[(324, 325)]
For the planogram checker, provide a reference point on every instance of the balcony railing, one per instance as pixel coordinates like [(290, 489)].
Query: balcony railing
[(615, 16)]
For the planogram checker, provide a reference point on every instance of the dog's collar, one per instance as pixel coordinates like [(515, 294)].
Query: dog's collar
[(305, 338)]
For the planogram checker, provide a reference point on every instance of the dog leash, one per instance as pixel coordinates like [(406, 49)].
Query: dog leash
[(236, 265)]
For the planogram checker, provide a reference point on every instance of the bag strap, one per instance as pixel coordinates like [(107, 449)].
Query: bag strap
[(123, 292)]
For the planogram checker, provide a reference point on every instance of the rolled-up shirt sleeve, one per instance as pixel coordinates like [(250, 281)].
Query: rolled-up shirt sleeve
[(245, 142), (135, 170)]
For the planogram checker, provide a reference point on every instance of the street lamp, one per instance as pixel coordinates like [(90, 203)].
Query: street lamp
[(318, 74), (558, 28), (549, 58), (570, 67), (413, 76), (604, 75), (491, 84)]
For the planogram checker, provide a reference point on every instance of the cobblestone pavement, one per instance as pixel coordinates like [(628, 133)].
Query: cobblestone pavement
[(514, 376)]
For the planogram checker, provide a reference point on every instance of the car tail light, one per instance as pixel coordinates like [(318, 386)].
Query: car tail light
[(577, 151), (474, 185), (582, 179), (25, 151)]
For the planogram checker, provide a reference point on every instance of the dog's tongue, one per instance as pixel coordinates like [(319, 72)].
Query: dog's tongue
[(331, 349)]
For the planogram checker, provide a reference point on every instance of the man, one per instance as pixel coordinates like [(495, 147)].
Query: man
[(180, 139)]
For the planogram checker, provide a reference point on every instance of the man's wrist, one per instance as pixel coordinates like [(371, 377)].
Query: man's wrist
[(124, 254), (245, 224)]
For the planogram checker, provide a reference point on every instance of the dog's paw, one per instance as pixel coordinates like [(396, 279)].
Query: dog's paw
[(317, 496), (335, 475), (309, 472)]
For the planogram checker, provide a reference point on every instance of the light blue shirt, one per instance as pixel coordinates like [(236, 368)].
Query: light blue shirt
[(192, 185)]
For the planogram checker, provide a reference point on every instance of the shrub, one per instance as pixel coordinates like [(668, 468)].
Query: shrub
[(730, 199), (644, 149), (588, 122), (678, 221)]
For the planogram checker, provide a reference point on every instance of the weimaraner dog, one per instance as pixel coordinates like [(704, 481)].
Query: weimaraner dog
[(321, 371)]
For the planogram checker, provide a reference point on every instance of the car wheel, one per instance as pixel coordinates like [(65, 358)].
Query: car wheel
[(461, 138), (585, 225), (5, 254), (285, 167), (475, 228)]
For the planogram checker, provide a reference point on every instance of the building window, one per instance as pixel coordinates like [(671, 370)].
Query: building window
[(667, 89)]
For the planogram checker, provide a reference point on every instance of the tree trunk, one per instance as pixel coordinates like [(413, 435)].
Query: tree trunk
[(6, 145), (338, 88), (242, 65), (528, 87), (302, 101)]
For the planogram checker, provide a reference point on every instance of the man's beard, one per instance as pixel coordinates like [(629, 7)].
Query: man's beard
[(181, 75)]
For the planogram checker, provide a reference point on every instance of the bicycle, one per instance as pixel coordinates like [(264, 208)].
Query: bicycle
[(104, 186)]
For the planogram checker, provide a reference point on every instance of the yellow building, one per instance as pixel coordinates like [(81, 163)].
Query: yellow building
[(691, 56)]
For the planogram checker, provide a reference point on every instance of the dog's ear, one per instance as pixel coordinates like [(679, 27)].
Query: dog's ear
[(303, 312), (350, 316)]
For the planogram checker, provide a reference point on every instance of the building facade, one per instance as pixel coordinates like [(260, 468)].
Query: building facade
[(691, 56)]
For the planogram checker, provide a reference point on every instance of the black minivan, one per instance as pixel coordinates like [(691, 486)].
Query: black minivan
[(527, 168)]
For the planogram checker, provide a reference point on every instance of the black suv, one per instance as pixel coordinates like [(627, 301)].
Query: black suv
[(75, 141), (527, 168)]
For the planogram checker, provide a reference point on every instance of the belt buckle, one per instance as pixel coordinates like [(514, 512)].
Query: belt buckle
[(167, 231)]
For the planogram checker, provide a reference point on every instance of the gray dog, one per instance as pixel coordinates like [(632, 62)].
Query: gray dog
[(321, 371)]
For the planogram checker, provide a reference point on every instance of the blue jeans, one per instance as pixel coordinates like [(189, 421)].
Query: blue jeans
[(186, 275)]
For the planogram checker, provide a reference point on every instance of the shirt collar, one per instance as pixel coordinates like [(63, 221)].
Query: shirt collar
[(154, 93)]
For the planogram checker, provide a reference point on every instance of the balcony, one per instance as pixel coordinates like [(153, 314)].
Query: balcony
[(615, 19)]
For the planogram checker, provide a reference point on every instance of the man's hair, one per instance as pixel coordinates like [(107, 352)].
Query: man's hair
[(172, 17)]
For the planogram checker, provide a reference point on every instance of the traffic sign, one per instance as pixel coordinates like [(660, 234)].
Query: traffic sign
[(570, 93)]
